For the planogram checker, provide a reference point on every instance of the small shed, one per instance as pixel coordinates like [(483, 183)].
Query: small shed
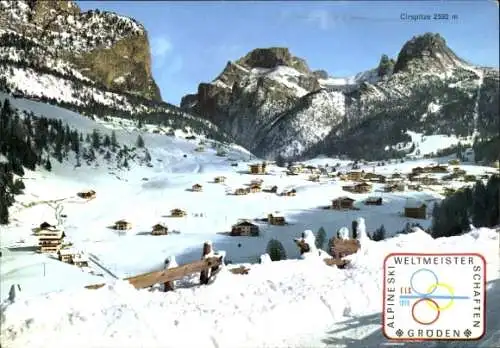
[(219, 179), (373, 201), (178, 212), (289, 193), (197, 188), (245, 228), (80, 260), (240, 192), (343, 203), (65, 255), (90, 194), (122, 225), (254, 188), (415, 209), (159, 230), (276, 220)]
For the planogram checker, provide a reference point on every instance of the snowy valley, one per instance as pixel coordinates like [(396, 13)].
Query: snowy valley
[(235, 310)]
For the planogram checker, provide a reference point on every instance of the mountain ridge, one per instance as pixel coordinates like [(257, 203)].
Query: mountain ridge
[(249, 101), (95, 62)]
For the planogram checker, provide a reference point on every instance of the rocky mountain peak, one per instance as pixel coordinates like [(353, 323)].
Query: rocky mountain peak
[(107, 48), (271, 58), (426, 51), (40, 6)]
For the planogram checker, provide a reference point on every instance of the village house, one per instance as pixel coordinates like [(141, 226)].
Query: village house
[(254, 188), (245, 228), (355, 175), (312, 169), (362, 187), (289, 172), (440, 168), (240, 192), (178, 212), (66, 255), (80, 260), (219, 179), (295, 168), (258, 168), (276, 219), (87, 194), (459, 171), (418, 170), (373, 201), (399, 187), (50, 240), (196, 188), (122, 225), (343, 203), (289, 193), (314, 177), (415, 187), (396, 176), (415, 209), (159, 230), (429, 180), (373, 177)]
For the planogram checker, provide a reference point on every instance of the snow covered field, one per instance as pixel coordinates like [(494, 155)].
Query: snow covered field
[(292, 303), (295, 303)]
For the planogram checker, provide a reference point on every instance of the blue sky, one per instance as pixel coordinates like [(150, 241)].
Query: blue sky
[(192, 41)]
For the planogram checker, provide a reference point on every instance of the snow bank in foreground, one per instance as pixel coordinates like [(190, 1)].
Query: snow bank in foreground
[(290, 303)]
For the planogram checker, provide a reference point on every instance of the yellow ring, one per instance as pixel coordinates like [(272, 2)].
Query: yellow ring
[(447, 287)]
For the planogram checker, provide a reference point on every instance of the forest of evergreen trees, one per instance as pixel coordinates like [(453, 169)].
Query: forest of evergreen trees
[(479, 206), (29, 142)]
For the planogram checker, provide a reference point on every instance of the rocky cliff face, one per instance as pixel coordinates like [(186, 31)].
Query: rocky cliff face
[(273, 104), (109, 49), (95, 63)]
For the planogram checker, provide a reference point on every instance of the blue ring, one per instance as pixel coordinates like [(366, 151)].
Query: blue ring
[(415, 273)]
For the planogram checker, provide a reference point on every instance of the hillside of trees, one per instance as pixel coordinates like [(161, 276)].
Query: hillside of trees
[(29, 142), (479, 206)]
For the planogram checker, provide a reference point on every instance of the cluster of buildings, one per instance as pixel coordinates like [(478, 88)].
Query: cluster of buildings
[(50, 240)]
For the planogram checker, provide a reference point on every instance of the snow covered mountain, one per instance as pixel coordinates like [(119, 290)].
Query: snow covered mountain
[(95, 63), (273, 104)]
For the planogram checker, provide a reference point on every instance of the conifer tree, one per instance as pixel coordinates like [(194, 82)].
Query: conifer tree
[(276, 250), (320, 238), (48, 165), (140, 141)]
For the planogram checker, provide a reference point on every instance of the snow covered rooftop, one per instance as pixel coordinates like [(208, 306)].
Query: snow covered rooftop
[(413, 203)]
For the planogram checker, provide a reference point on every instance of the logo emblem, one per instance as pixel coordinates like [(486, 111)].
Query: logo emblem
[(434, 296)]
